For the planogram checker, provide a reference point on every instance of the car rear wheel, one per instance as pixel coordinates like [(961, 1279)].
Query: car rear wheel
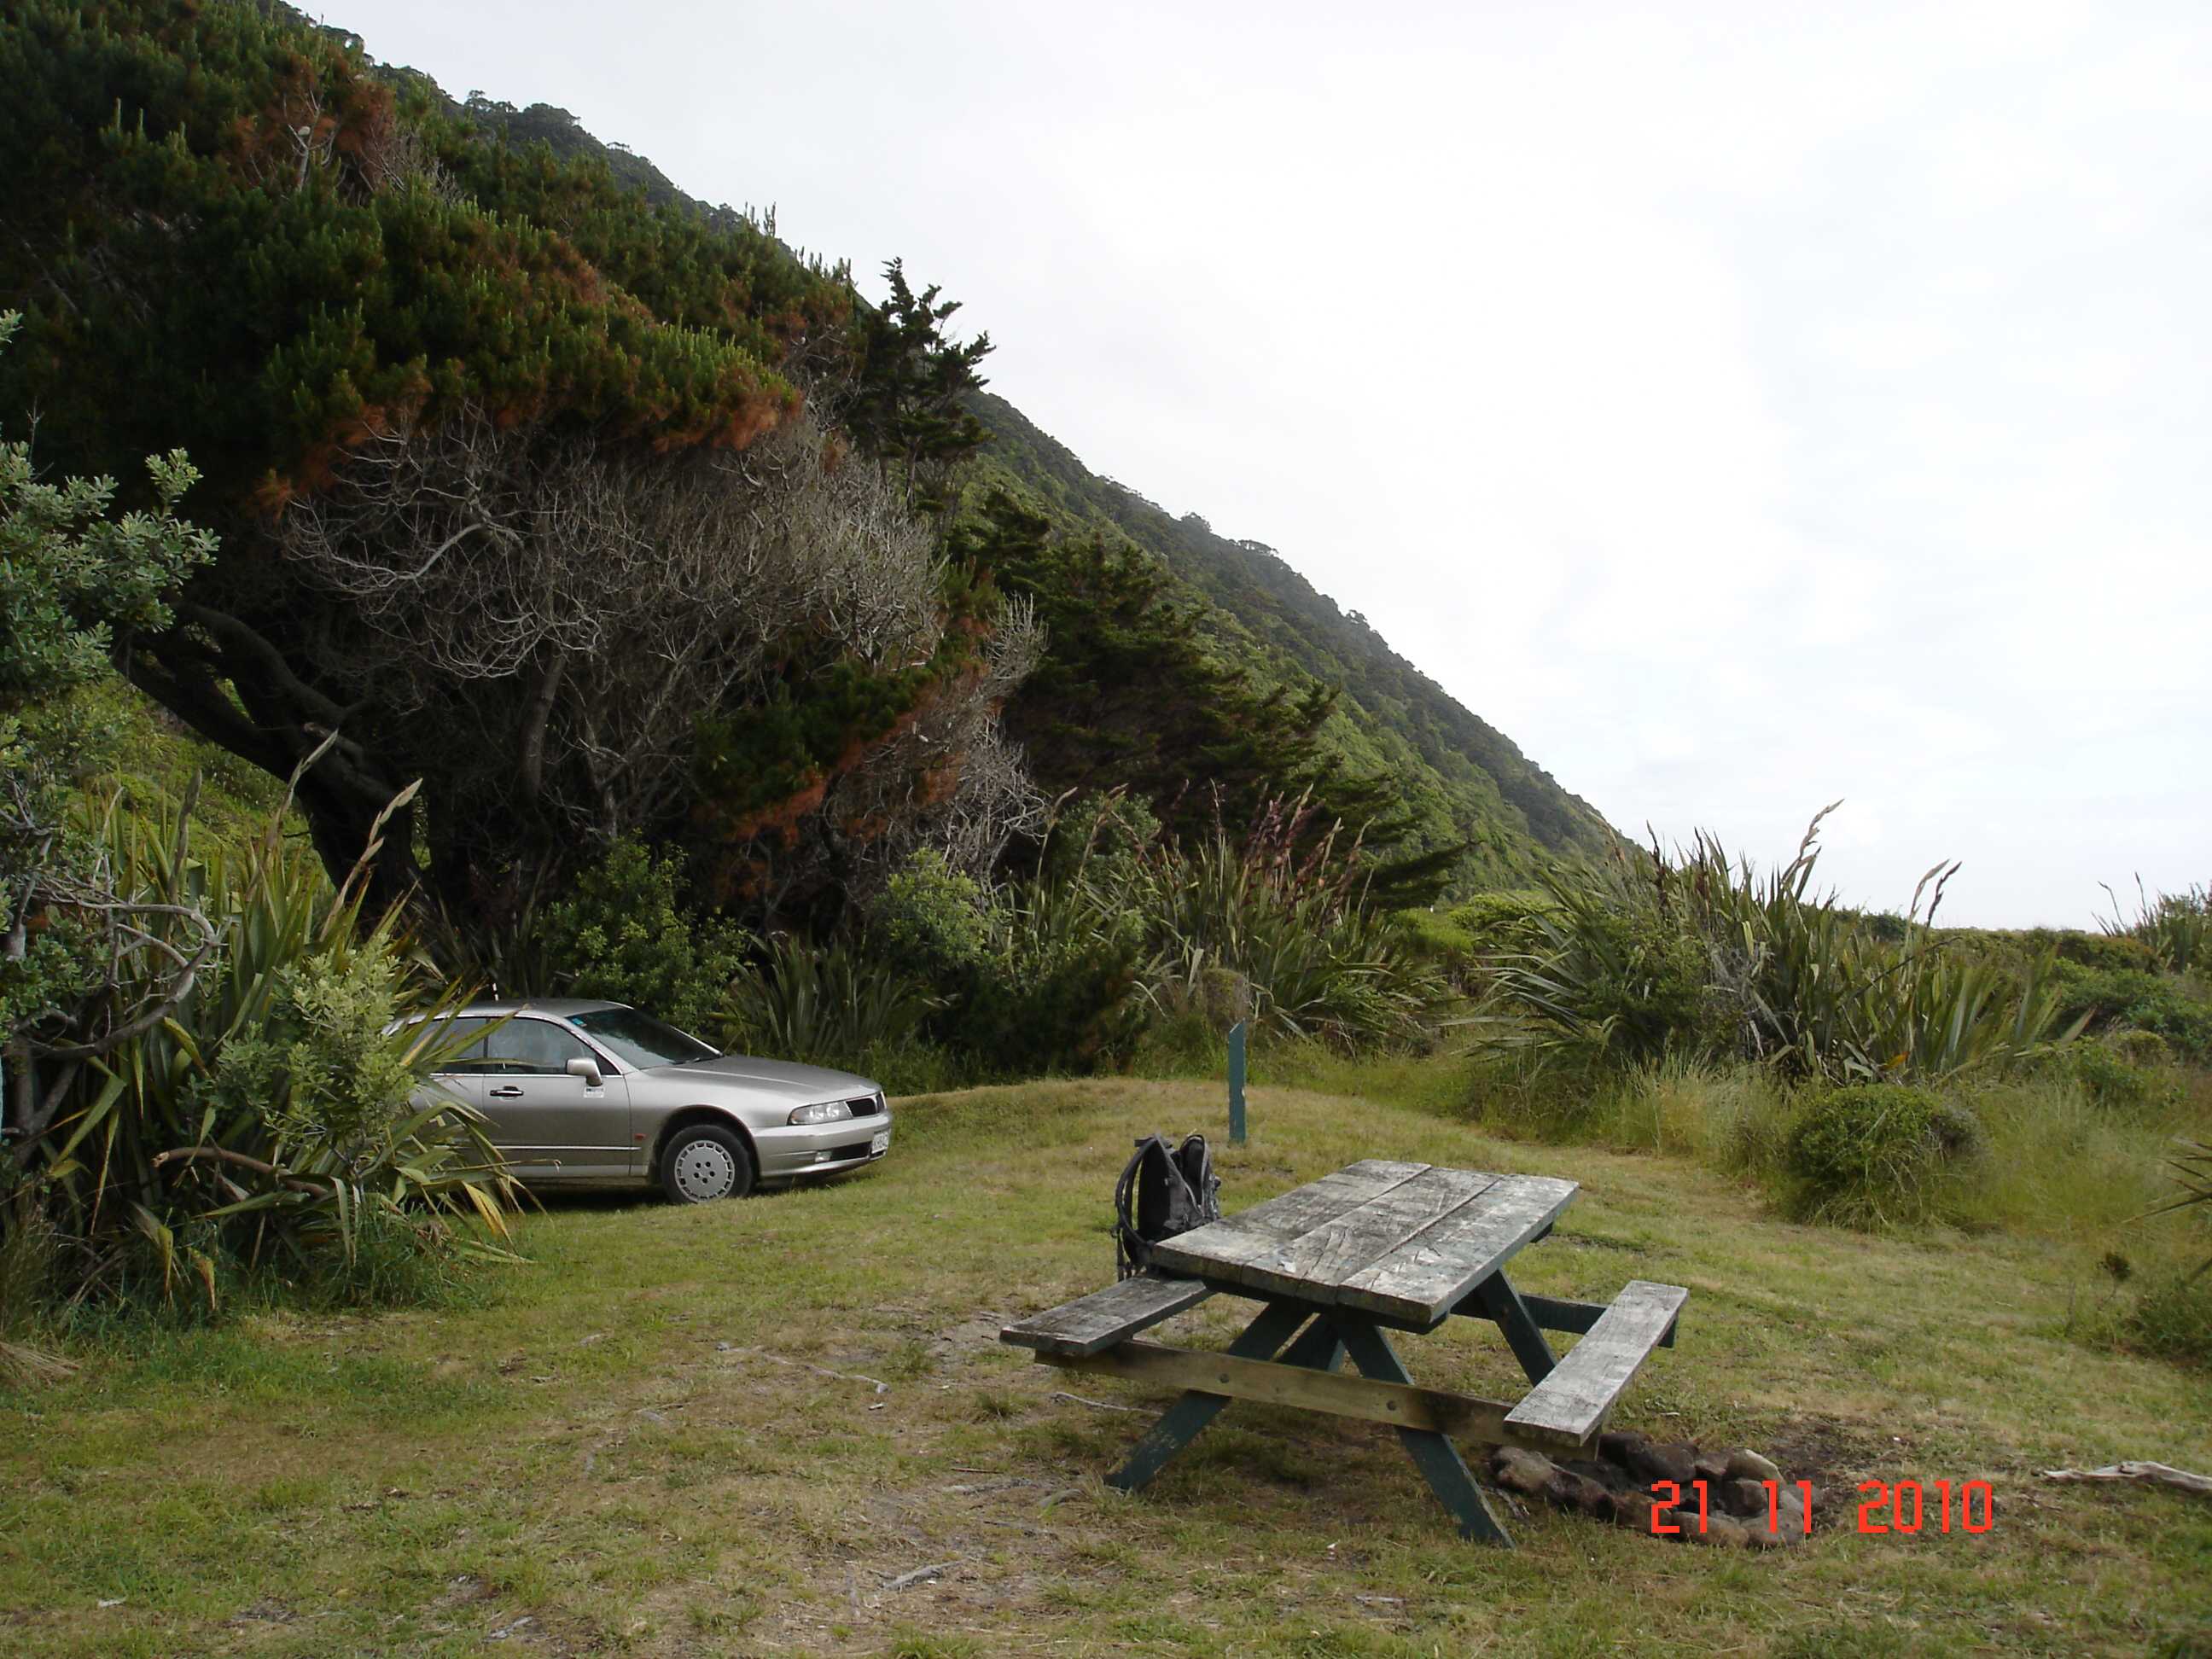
[(704, 1163)]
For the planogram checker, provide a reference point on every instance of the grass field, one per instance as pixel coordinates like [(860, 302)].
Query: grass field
[(636, 1445)]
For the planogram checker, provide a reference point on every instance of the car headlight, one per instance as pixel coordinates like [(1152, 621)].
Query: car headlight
[(830, 1111)]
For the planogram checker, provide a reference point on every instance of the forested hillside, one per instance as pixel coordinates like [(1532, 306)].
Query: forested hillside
[(435, 356), (1377, 735)]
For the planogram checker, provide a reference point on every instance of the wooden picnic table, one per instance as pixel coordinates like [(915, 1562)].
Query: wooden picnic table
[(1376, 1247)]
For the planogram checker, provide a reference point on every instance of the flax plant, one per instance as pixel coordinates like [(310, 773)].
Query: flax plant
[(1294, 926), (1701, 957), (283, 1108)]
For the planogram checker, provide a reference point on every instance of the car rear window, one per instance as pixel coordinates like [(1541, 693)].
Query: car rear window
[(458, 1044)]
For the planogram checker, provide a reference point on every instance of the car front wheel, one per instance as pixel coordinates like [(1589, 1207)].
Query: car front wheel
[(704, 1163)]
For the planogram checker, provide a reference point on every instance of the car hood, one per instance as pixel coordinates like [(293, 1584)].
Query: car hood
[(785, 1079)]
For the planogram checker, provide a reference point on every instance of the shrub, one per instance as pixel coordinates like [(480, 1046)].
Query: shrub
[(1102, 839), (1293, 927), (2140, 1048), (2106, 951), (1440, 938), (622, 933), (1055, 992), (2175, 929), (2115, 998), (1035, 976), (1870, 1154), (1499, 921), (2172, 1317), (929, 922), (277, 1117), (2119, 1085)]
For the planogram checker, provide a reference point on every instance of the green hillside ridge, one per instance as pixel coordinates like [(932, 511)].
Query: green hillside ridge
[(1452, 779), (1464, 779)]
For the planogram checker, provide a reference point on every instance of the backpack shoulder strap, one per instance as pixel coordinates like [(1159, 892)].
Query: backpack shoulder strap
[(1130, 1250)]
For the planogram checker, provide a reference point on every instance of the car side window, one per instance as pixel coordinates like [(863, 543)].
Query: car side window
[(534, 1047), (468, 1058)]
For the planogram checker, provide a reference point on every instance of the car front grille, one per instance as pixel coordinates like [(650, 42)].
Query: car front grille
[(867, 1105)]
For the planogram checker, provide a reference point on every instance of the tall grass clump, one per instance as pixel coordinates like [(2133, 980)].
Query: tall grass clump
[(2175, 929), (268, 1112), (2191, 1166), (1733, 1116), (1286, 912), (827, 1007), (2158, 1300), (1700, 957)]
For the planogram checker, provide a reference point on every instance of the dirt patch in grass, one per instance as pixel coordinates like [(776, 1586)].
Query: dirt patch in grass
[(1826, 1451)]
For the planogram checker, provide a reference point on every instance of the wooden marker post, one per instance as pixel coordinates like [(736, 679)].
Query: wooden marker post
[(1237, 1084)]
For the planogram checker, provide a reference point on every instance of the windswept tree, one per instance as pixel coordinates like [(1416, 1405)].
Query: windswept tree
[(518, 494), (907, 398)]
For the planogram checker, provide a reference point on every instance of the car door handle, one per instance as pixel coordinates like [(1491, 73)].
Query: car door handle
[(511, 1092)]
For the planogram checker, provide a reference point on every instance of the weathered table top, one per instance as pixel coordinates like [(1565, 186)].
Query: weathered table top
[(1403, 1242)]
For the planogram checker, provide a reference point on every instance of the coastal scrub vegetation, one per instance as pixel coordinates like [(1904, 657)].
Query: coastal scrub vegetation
[(1874, 1071)]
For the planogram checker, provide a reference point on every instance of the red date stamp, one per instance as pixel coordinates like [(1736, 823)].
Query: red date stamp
[(1907, 1506)]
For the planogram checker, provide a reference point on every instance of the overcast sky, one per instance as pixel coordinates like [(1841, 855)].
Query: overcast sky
[(1740, 406)]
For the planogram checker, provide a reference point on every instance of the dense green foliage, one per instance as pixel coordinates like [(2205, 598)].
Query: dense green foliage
[(385, 309), (71, 573), (202, 1070), (1125, 938), (1870, 1153), (270, 1120), (1631, 962), (1133, 694), (355, 293), (2134, 999), (2175, 930), (828, 1006), (623, 931), (2124, 1076)]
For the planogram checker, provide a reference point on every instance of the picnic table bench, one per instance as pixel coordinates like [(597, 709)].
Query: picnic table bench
[(1376, 1247)]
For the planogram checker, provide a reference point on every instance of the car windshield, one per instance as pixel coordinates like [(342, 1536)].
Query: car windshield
[(641, 1039)]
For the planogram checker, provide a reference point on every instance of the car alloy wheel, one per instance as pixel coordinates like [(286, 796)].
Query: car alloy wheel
[(705, 1163)]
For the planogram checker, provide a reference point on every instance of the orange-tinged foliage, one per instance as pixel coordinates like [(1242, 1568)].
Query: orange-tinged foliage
[(316, 284)]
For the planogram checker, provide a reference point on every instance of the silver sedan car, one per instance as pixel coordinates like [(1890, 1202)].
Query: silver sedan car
[(594, 1093)]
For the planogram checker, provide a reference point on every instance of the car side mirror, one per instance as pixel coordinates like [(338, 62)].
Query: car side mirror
[(588, 1069)]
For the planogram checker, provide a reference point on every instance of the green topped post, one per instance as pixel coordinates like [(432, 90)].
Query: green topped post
[(1237, 1084)]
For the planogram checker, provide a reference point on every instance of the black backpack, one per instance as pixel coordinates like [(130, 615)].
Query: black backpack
[(1164, 1190)]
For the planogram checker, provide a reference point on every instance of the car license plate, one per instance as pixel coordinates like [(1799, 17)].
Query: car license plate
[(880, 1145)]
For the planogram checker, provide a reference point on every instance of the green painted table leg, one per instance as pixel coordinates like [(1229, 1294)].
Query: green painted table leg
[(1526, 1338), (1182, 1420), (1318, 1348), (1432, 1452)]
